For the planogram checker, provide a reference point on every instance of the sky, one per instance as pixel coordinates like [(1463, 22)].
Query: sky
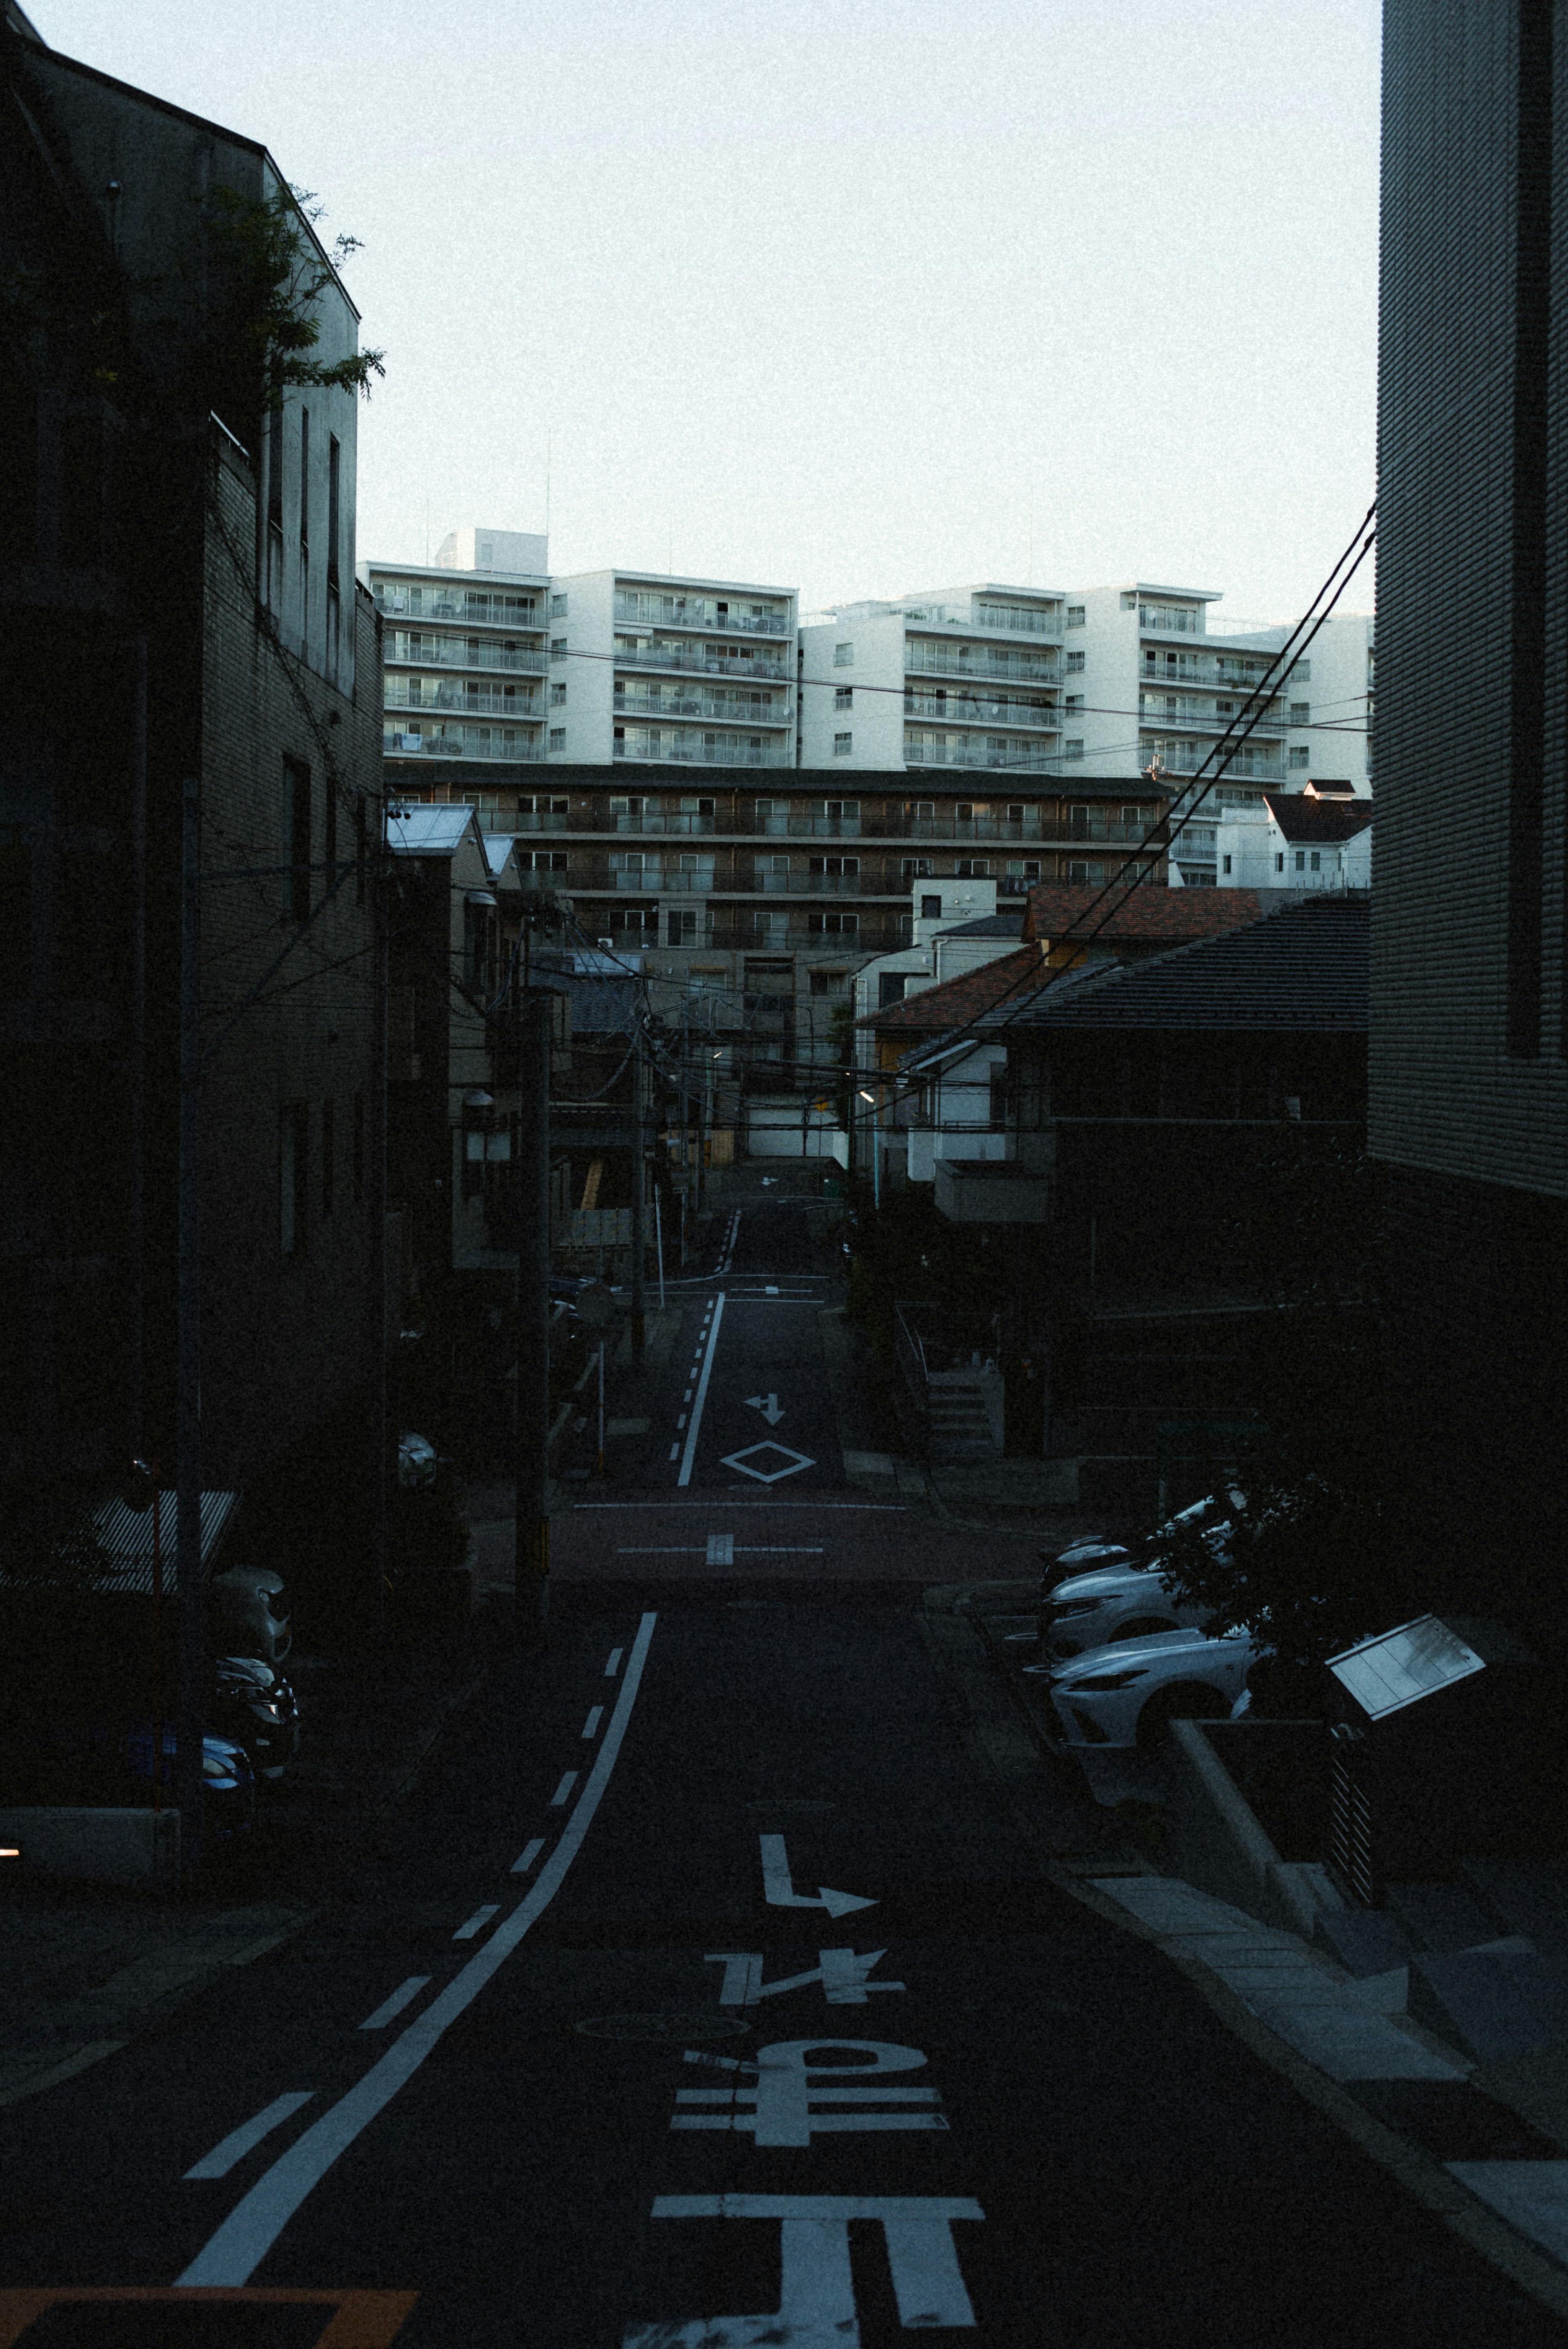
[(848, 296)]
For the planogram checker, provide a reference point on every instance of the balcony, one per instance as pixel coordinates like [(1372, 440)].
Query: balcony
[(466, 742), (655, 611), (1227, 673), (1018, 619), (655, 820), (1194, 712), (977, 709), (1170, 620), (651, 707), (700, 660), (921, 659), (806, 827), (681, 749), (478, 609), (1186, 759), (820, 884), (455, 652), (502, 701), (650, 879), (1022, 758)]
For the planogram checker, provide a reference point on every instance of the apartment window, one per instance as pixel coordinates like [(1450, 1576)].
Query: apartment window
[(836, 865), (293, 1154), (1316, 862), (1075, 615), (1301, 860), (296, 839), (1300, 755), (1134, 816), (1021, 868), (963, 812), (918, 868), (1279, 861), (558, 648), (1224, 863), (842, 745), (1075, 662), (830, 982), (328, 1166), (357, 1160), (844, 655), (1088, 873), (558, 697), (1072, 749), (843, 697), (558, 737), (1301, 672), (1301, 713), (973, 868), (1073, 705), (931, 909), (558, 607), (832, 925)]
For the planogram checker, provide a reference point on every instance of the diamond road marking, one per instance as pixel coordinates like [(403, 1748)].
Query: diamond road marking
[(793, 1462)]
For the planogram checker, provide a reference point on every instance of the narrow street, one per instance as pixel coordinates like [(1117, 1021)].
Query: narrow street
[(708, 1990)]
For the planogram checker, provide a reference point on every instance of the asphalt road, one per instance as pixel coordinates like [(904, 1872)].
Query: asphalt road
[(705, 1992)]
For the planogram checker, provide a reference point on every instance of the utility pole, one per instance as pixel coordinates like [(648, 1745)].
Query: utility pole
[(194, 1663), (385, 1450), (532, 1570), (639, 1233)]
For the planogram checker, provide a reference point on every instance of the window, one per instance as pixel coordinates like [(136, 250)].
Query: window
[(931, 909), (293, 1154), (1072, 749), (832, 925), (833, 865), (558, 697), (1021, 868), (891, 985), (1075, 615), (1301, 713), (1300, 860), (1073, 705), (1300, 755), (830, 982), (296, 839), (1224, 863), (358, 1163), (558, 607), (842, 745), (1301, 672), (843, 697), (1279, 861), (973, 868), (1075, 662), (964, 811), (1134, 817), (558, 737), (328, 1170), (844, 655), (1316, 862), (558, 648), (918, 868)]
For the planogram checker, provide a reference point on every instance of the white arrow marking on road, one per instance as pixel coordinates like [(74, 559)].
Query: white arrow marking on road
[(779, 1889), (767, 1406)]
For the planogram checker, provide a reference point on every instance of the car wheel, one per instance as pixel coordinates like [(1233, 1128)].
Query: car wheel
[(1145, 1627), (1187, 1701)]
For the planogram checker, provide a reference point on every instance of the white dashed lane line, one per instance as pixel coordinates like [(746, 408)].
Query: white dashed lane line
[(243, 2140), (404, 1995), (569, 1779), (591, 1726)]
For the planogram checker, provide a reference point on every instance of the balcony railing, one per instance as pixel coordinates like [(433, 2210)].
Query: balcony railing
[(700, 660), (1042, 828), (705, 750), (455, 652), (806, 827), (958, 660), (1196, 669), (464, 742), (820, 884), (1022, 758), (479, 610), (649, 880), (978, 709), (1021, 619), (660, 880), (405, 693), (655, 820), (699, 612), (1195, 712), (652, 708), (1186, 758)]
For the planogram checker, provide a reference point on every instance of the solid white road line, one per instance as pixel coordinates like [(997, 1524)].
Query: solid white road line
[(591, 1726), (241, 2141), (390, 2008), (613, 1666), (253, 2226), (526, 1858), (478, 1922), (692, 1432), (569, 1779)]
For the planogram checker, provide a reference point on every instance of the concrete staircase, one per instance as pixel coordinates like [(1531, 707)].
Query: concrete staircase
[(959, 1419)]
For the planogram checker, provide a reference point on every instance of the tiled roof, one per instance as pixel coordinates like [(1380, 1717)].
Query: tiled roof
[(1303, 968), (958, 1000), (1317, 820), (1136, 910)]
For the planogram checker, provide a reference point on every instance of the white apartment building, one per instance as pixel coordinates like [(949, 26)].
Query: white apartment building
[(464, 650), (965, 677), (685, 672), (1328, 702)]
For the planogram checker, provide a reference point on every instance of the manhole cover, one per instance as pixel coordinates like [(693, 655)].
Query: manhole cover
[(678, 2028)]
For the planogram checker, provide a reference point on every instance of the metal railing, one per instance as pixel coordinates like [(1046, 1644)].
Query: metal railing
[(454, 652), (699, 612), (455, 743), (448, 603), (977, 709), (697, 661), (651, 707), (706, 750), (1018, 619), (1214, 721), (1186, 758), (957, 660), (651, 820), (807, 827), (1023, 760), (1194, 669), (405, 693)]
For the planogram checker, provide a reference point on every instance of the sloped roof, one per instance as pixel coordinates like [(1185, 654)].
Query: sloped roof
[(958, 1000), (498, 847), (1317, 820), (1302, 969), (427, 831), (1134, 909)]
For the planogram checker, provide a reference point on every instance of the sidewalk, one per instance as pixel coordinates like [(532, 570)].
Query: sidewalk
[(86, 1968)]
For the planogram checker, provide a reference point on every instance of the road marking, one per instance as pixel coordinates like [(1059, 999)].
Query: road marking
[(767, 1406), (779, 1889), (681, 1420), (478, 1922), (842, 1974), (370, 2320), (695, 1550), (688, 1396), (569, 1779), (404, 1995), (712, 1348), (249, 2135), (720, 1549), (526, 1858), (674, 1452), (237, 2248), (770, 1292), (816, 2287), (595, 1715), (613, 1666), (794, 1461), (785, 2105)]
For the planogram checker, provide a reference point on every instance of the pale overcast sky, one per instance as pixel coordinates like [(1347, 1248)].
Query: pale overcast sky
[(830, 293)]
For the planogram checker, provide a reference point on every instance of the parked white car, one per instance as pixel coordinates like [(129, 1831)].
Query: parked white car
[(1129, 1694), (1125, 1598)]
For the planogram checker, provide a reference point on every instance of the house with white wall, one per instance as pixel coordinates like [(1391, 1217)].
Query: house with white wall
[(1296, 841)]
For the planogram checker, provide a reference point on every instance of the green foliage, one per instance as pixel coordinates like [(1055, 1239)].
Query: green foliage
[(264, 275)]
